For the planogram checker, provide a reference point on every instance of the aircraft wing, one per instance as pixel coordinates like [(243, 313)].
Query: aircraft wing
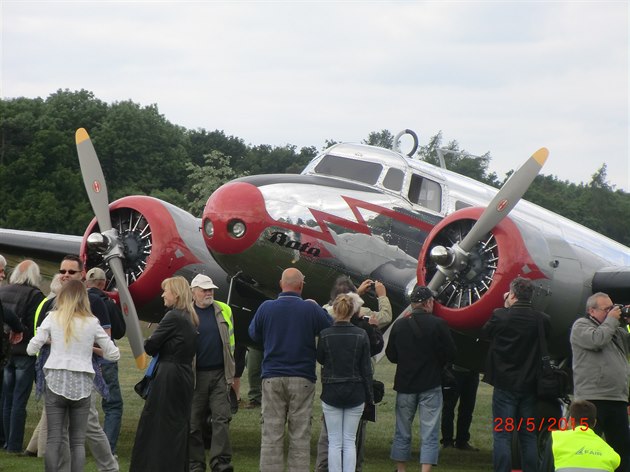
[(49, 246)]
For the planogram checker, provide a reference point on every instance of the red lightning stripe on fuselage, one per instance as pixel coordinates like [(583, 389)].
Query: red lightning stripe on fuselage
[(360, 226)]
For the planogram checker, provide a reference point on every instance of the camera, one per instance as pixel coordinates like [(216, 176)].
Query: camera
[(625, 311)]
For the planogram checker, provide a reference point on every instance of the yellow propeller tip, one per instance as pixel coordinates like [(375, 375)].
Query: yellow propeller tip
[(541, 156), (142, 361), (81, 135)]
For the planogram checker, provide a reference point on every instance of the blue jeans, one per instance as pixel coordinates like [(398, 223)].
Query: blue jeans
[(342, 425), (513, 405), (429, 403), (19, 374), (112, 405)]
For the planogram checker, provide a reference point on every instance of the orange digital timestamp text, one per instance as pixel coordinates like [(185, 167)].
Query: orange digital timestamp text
[(538, 424)]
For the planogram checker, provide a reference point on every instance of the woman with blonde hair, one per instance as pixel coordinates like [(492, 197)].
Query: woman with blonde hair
[(72, 331), (162, 435), (344, 352)]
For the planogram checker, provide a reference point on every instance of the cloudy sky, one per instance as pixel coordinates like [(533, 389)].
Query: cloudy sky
[(504, 77)]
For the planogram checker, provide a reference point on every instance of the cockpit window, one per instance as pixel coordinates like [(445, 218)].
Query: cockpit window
[(353, 169), (393, 179), (425, 192)]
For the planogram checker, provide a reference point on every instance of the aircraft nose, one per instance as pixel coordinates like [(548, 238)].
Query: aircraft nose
[(234, 217)]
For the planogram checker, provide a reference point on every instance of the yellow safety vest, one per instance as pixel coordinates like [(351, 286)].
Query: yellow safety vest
[(575, 450), (226, 311), (37, 313)]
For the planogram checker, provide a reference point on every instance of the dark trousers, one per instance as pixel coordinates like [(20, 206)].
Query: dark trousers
[(466, 394), (112, 405), (210, 397), (612, 421), (19, 375), (254, 370)]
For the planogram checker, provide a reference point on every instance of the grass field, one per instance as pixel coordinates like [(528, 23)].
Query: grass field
[(245, 430)]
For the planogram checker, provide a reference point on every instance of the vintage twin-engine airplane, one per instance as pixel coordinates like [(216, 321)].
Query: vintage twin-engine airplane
[(358, 210)]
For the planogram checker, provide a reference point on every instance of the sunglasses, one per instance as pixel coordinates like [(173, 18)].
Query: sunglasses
[(69, 271)]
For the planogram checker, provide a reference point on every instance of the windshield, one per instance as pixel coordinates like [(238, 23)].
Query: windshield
[(353, 169)]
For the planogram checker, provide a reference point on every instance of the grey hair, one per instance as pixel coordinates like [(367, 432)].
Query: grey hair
[(27, 273), (591, 302), (3, 261), (55, 285), (357, 301)]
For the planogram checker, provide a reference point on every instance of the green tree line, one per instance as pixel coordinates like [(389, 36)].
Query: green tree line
[(142, 153)]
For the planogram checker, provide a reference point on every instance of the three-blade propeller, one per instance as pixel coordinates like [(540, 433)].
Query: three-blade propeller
[(112, 249), (453, 260)]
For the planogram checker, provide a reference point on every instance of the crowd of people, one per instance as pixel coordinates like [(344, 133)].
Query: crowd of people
[(63, 344)]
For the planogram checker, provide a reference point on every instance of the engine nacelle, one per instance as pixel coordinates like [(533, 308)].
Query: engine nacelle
[(159, 241), (467, 301)]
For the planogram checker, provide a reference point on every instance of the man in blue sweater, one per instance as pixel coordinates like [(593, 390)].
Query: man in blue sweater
[(287, 328)]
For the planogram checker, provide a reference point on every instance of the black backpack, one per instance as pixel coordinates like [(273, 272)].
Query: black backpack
[(116, 318)]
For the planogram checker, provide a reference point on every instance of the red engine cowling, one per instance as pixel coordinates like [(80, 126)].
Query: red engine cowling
[(468, 298), (158, 240)]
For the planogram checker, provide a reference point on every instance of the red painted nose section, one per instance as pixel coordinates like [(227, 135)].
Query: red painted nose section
[(233, 203)]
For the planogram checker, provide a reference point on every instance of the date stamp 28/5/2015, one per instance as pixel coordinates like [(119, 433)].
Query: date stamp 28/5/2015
[(538, 424)]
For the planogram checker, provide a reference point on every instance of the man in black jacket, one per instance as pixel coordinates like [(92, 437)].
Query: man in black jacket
[(421, 345), (512, 367)]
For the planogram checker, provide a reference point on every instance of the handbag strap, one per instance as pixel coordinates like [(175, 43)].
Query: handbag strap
[(150, 372), (542, 339)]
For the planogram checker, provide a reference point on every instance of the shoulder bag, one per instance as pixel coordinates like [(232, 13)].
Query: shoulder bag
[(143, 388), (553, 382)]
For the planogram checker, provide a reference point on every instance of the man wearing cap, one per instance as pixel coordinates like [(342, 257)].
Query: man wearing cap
[(420, 345), (95, 281), (214, 377)]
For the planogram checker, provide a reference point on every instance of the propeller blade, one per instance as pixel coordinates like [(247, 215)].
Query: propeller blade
[(134, 334), (500, 206), (94, 182), (93, 179), (503, 202)]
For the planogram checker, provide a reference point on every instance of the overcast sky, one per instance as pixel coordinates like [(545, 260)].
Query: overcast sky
[(504, 77)]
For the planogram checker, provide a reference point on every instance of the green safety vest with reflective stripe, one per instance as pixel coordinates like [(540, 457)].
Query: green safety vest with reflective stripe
[(226, 311), (576, 450)]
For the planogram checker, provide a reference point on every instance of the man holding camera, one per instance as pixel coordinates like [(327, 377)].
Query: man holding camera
[(599, 342)]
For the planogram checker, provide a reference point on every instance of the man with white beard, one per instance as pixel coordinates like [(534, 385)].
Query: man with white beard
[(214, 376)]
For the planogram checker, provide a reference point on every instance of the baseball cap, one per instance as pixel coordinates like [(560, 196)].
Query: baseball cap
[(95, 273), (202, 281), (421, 293)]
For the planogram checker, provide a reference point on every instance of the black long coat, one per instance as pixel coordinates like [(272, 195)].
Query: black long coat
[(161, 443)]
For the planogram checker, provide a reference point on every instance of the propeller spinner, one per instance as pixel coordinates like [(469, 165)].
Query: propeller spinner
[(455, 260), (108, 241)]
